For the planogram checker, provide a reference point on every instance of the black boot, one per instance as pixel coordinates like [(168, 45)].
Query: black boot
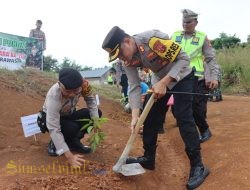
[(81, 134), (76, 146), (205, 135), (218, 98), (51, 149), (147, 161), (198, 171)]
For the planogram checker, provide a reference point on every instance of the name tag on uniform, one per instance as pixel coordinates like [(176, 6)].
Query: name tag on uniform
[(133, 63), (151, 55)]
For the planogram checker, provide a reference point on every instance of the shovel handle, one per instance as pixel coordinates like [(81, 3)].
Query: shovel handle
[(127, 149)]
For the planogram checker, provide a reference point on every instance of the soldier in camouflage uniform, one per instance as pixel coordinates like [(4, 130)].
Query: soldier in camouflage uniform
[(39, 34)]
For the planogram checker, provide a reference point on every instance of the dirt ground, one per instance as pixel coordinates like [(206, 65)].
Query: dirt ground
[(227, 154)]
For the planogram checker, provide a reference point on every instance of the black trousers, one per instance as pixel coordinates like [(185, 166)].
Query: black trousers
[(162, 117), (183, 113), (200, 105), (124, 84), (70, 127)]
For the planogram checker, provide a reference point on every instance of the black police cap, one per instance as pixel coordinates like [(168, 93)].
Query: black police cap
[(70, 78), (112, 42)]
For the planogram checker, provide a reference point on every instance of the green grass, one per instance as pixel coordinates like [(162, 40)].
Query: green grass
[(108, 91), (235, 64), (28, 81)]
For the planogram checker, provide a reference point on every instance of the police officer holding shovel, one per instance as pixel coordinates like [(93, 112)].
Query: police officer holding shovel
[(171, 71), (202, 58)]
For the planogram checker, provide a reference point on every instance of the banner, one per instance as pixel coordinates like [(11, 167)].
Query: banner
[(17, 52)]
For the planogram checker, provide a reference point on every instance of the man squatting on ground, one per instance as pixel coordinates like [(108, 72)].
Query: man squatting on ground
[(61, 115), (171, 71)]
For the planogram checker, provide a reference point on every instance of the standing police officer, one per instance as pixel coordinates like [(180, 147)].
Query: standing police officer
[(122, 79), (170, 67), (200, 52)]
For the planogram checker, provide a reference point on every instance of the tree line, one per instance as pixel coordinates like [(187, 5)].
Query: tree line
[(224, 41), (228, 41), (53, 65)]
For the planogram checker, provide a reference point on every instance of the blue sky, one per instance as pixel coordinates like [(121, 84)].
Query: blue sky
[(76, 28)]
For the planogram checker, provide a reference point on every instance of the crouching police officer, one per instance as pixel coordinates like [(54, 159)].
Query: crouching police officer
[(59, 116), (202, 57), (170, 67)]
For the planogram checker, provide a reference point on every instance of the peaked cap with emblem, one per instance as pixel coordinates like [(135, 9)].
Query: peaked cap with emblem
[(188, 15), (113, 41)]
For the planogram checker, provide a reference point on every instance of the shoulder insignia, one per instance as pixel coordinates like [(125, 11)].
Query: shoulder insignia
[(167, 49), (86, 88)]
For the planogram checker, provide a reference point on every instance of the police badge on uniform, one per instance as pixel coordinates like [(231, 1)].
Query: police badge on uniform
[(178, 39), (195, 40)]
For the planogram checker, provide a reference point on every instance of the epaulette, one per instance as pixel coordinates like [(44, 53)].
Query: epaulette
[(86, 88)]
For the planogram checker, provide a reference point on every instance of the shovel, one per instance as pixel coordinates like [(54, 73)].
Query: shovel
[(135, 168)]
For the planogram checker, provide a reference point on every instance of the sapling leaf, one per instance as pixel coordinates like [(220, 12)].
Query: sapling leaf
[(85, 126), (83, 120), (89, 129), (97, 138), (93, 127)]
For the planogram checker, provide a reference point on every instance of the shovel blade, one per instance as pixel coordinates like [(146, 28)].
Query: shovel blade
[(132, 169)]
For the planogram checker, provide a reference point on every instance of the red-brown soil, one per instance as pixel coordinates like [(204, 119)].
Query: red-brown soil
[(227, 154)]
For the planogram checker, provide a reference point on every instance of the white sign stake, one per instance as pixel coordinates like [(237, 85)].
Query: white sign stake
[(30, 126), (97, 99), (35, 138)]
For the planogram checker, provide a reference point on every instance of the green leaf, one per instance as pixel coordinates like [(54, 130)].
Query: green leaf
[(89, 129), (102, 135), (97, 125), (85, 126), (83, 120), (91, 139), (93, 147), (97, 138), (103, 120), (93, 127)]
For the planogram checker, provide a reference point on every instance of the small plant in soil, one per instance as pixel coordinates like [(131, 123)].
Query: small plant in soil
[(93, 127)]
